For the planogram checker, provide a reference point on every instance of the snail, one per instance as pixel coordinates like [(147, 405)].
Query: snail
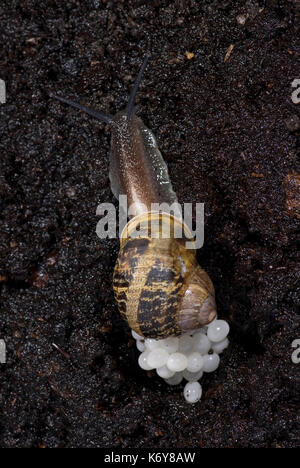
[(159, 286)]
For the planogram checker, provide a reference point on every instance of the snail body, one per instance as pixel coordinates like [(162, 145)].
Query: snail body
[(160, 289)]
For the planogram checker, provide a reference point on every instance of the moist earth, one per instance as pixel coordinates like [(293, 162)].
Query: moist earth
[(217, 94)]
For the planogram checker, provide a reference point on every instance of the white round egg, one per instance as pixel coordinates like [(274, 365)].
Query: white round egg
[(177, 362), (157, 357), (192, 376), (150, 344), (220, 346), (136, 336), (195, 362), (140, 345), (175, 380), (143, 361), (201, 343), (164, 372), (185, 344), (170, 344), (217, 330), (210, 362), (192, 392)]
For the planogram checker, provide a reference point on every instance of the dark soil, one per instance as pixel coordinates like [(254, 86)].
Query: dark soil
[(227, 131)]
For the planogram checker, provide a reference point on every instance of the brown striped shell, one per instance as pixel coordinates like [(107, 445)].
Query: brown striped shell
[(159, 287)]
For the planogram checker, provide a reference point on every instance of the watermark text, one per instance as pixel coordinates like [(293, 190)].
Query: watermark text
[(296, 354), (176, 222), (2, 92), (2, 352)]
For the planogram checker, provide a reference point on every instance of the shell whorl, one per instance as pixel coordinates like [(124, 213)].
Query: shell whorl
[(152, 273)]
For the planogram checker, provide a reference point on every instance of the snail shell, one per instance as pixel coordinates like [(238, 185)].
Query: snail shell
[(159, 286)]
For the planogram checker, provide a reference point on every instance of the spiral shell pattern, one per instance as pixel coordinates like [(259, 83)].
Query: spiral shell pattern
[(151, 274)]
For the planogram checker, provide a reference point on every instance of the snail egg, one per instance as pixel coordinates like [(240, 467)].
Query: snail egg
[(177, 362), (185, 344), (210, 362), (195, 362), (136, 336), (201, 343), (158, 357), (164, 372), (175, 380), (140, 345), (150, 344), (192, 392), (192, 376), (143, 363), (171, 344), (219, 347), (217, 330), (186, 356)]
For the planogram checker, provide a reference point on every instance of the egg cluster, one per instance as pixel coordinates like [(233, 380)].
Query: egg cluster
[(185, 357)]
